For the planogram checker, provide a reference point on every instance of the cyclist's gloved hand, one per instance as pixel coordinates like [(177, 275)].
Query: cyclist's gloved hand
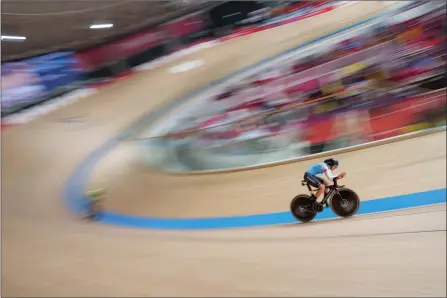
[(341, 175)]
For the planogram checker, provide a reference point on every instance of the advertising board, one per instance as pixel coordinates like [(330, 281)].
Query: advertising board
[(56, 70), (102, 56), (185, 26), (93, 58), (28, 81), (136, 43), (20, 85)]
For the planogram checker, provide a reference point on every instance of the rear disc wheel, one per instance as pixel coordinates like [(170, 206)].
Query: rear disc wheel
[(302, 208)]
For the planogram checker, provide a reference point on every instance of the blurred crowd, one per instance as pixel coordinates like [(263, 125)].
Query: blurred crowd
[(383, 82)]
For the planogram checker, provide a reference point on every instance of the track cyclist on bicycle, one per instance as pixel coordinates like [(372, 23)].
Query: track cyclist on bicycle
[(95, 197), (326, 167)]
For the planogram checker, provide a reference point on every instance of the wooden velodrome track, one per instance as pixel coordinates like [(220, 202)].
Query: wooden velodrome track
[(48, 252)]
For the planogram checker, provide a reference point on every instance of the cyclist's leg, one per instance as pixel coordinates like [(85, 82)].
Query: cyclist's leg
[(326, 184), (321, 188), (89, 209), (316, 182)]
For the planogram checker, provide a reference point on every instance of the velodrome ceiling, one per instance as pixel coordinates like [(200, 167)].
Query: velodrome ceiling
[(62, 24)]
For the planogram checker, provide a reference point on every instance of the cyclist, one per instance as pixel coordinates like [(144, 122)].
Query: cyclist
[(94, 198), (326, 167)]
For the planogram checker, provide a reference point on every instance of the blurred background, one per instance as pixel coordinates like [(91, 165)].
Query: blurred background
[(382, 80)]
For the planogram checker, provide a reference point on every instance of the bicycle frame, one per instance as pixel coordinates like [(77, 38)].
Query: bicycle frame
[(333, 189)]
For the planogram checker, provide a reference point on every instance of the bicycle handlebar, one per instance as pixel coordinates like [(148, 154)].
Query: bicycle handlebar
[(335, 185), (335, 181)]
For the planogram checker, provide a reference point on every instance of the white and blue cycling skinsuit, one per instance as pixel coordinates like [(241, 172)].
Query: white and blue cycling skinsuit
[(310, 176)]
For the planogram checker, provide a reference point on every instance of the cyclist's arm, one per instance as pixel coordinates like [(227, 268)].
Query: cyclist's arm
[(329, 173)]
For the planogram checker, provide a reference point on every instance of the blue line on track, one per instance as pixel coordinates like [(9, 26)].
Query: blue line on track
[(366, 207), (77, 182)]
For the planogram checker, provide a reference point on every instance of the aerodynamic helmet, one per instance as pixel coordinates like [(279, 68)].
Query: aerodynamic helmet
[(331, 162)]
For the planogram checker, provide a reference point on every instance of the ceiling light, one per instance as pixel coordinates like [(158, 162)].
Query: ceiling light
[(13, 38), (101, 26)]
